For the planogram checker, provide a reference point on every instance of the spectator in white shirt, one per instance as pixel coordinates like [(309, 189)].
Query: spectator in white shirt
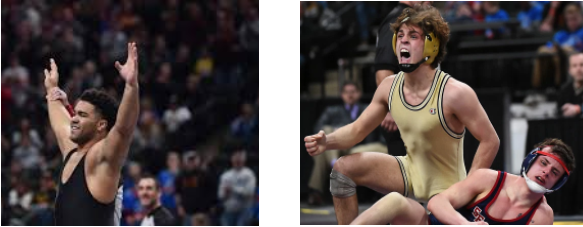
[(236, 191), (175, 115)]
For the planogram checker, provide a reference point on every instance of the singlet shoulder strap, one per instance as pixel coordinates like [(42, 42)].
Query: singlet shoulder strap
[(491, 194), (499, 184), (69, 155), (393, 88)]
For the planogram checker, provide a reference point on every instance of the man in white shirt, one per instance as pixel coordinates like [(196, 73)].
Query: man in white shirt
[(236, 191)]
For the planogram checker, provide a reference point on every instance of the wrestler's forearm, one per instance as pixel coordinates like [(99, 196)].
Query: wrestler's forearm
[(343, 138), (442, 209), (58, 116), (60, 123), (485, 155), (129, 109)]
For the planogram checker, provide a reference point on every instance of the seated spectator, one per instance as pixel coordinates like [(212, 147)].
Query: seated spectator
[(92, 77), (571, 39), (69, 47), (182, 63), (237, 190), (164, 86), (493, 14), (160, 52), (15, 70), (249, 31), (204, 64), (150, 133), (28, 154), (126, 16), (564, 42), (552, 14), (194, 91), (175, 115), (74, 86), (20, 199), (25, 130), (332, 118), (458, 12), (245, 126), (167, 178), (17, 86), (131, 203), (47, 192), (570, 97), (43, 198), (114, 41), (194, 188), (530, 15)]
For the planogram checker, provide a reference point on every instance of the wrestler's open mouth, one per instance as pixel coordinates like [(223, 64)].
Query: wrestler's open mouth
[(405, 55)]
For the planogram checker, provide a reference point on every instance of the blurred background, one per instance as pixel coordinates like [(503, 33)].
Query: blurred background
[(199, 81), (515, 55)]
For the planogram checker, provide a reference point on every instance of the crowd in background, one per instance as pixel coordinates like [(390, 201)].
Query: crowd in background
[(561, 20), (199, 108)]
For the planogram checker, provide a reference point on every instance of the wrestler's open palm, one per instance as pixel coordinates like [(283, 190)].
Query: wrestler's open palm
[(52, 76), (316, 144), (478, 223), (129, 70)]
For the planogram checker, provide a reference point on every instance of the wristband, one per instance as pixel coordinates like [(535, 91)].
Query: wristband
[(70, 110)]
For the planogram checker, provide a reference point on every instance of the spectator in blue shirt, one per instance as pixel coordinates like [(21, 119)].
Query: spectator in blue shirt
[(166, 178), (130, 202), (494, 14), (530, 14), (246, 126), (570, 40)]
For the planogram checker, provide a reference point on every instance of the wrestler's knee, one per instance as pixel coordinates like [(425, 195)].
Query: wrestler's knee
[(396, 200), (342, 182), (348, 165)]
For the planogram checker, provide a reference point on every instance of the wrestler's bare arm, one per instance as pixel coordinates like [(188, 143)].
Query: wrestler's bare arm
[(116, 144), (351, 134), (467, 108), (58, 115), (444, 204)]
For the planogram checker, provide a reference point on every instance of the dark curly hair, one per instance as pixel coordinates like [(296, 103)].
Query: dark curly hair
[(561, 149), (429, 19), (150, 176), (104, 104)]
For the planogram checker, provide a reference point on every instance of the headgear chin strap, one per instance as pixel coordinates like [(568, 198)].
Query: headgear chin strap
[(532, 185), (411, 67), (535, 187)]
